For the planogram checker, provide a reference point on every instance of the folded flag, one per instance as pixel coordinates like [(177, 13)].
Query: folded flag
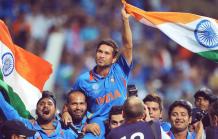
[(22, 75), (196, 33)]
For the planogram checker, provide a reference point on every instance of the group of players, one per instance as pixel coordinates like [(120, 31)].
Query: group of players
[(98, 106)]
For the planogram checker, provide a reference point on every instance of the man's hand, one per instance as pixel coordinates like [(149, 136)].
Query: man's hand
[(93, 128), (147, 115), (199, 130), (124, 14), (66, 118)]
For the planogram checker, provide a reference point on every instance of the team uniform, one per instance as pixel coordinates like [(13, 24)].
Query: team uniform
[(59, 133), (166, 126), (139, 130), (190, 135), (104, 92), (80, 126), (77, 128)]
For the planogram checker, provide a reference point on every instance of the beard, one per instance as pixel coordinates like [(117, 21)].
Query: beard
[(77, 118), (44, 119), (104, 66)]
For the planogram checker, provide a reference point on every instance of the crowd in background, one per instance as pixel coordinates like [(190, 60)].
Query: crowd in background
[(160, 65)]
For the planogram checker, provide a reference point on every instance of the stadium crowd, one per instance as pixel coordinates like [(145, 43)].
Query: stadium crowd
[(168, 78)]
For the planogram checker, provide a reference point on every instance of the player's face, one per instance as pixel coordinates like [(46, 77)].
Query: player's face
[(116, 121), (180, 119), (104, 56), (202, 103), (46, 110), (154, 110), (77, 106)]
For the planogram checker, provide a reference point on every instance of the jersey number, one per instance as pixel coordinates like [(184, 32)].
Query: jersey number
[(133, 136)]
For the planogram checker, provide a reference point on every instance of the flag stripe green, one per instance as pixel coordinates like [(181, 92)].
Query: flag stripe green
[(211, 55), (13, 99)]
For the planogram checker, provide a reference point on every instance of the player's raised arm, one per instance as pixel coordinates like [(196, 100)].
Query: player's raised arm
[(127, 37)]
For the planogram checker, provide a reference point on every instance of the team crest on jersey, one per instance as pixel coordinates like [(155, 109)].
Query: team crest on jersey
[(95, 86), (7, 63), (112, 79)]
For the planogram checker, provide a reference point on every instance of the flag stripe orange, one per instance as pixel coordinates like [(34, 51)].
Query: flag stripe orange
[(157, 17), (38, 69), (6, 38), (41, 71)]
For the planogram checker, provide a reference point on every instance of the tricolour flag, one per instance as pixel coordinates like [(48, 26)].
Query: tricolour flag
[(196, 33), (22, 75)]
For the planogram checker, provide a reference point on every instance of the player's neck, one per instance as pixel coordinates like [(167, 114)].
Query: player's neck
[(103, 71), (77, 121), (180, 134), (47, 127)]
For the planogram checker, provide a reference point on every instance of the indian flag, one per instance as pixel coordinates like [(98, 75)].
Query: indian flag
[(196, 33), (22, 75)]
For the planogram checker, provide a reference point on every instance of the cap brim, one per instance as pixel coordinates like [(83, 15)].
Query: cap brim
[(29, 133)]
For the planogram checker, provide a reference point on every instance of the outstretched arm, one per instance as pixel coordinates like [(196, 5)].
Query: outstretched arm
[(9, 112), (127, 37)]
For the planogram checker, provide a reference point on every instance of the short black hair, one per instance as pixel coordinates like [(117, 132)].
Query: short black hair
[(111, 43), (181, 103), (47, 94), (74, 91), (115, 110), (154, 98), (206, 93)]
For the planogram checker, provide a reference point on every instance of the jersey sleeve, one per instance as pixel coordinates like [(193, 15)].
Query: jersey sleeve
[(124, 65), (164, 134), (78, 85), (9, 112)]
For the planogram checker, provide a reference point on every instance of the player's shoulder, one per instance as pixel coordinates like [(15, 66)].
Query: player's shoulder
[(84, 76)]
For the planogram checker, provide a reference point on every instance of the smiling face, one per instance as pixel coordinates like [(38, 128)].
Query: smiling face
[(46, 110), (77, 106), (202, 103), (104, 56), (179, 118)]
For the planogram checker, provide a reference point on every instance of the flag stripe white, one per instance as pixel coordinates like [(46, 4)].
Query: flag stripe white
[(28, 93), (184, 33)]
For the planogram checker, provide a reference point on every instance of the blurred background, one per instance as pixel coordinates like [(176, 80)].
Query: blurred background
[(65, 33)]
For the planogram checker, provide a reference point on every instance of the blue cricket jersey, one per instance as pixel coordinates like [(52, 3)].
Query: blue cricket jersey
[(190, 135), (166, 126), (84, 121), (104, 92)]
